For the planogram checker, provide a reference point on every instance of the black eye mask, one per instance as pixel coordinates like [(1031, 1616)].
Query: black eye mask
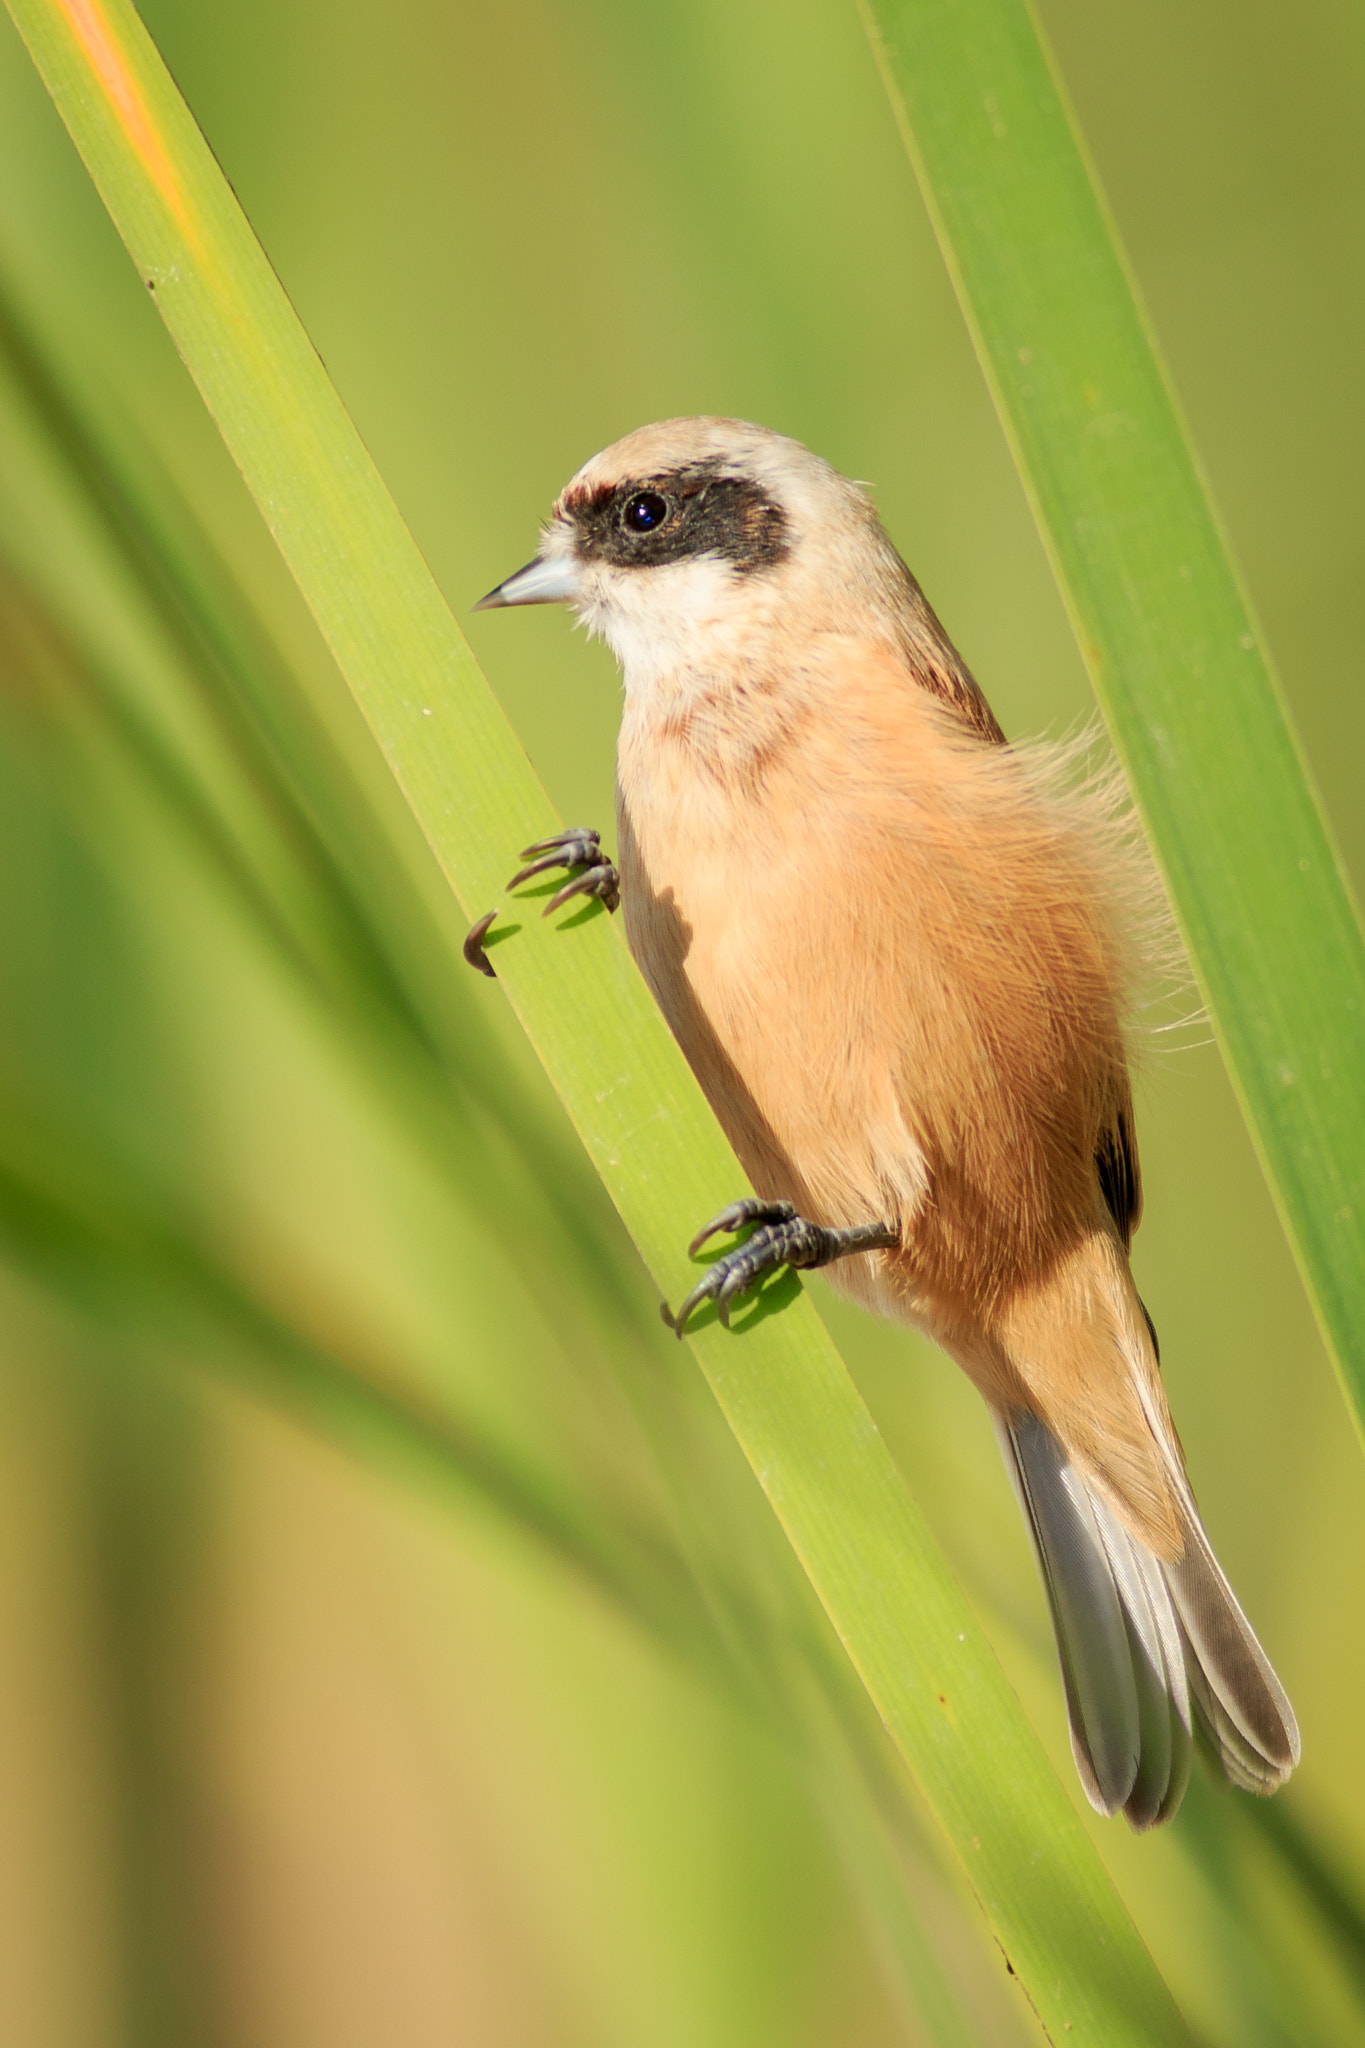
[(681, 513)]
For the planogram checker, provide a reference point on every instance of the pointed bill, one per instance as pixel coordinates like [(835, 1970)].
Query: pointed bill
[(549, 579)]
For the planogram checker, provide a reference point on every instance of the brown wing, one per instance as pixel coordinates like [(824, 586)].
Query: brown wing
[(932, 658), (1116, 1162)]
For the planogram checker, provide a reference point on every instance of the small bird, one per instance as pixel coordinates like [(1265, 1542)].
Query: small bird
[(899, 954)]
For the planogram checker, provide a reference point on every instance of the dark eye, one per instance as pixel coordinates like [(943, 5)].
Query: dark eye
[(644, 512)]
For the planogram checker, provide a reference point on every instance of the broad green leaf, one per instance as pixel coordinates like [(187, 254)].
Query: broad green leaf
[(797, 1416), (1164, 625)]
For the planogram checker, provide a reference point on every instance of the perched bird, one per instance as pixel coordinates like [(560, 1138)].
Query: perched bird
[(898, 954)]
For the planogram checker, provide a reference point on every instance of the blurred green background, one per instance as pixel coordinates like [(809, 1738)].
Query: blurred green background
[(377, 1586)]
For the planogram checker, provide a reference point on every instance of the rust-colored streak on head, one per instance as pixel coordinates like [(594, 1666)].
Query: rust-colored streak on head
[(100, 49)]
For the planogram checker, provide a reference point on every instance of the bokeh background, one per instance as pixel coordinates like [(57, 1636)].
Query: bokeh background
[(356, 1514)]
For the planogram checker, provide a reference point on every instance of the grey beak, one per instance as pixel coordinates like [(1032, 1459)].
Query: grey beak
[(549, 579)]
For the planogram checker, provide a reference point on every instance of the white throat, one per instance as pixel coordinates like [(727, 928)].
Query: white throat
[(672, 626)]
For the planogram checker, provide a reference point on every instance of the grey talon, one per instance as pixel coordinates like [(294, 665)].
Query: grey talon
[(473, 946), (571, 835), (749, 1209), (538, 867), (602, 882), (577, 847)]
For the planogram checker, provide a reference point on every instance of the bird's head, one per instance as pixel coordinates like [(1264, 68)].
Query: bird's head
[(688, 541)]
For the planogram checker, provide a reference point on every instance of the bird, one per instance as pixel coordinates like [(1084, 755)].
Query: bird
[(900, 955)]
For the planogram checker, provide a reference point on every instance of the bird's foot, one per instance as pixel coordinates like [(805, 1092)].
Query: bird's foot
[(782, 1239), (578, 847)]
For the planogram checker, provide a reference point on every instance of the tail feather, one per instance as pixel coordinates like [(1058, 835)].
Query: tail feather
[(1087, 1613), (1149, 1647), (1158, 1663), (1240, 1700), (1243, 1708)]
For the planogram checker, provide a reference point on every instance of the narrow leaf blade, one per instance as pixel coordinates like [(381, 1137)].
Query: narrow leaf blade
[(782, 1386), (1163, 623)]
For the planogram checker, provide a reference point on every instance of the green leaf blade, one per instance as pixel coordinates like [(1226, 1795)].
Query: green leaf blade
[(1163, 623), (782, 1386)]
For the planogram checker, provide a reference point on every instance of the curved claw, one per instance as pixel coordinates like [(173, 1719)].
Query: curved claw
[(602, 882), (473, 946), (539, 867), (579, 846), (703, 1291), (749, 1209), (586, 834), (735, 1282)]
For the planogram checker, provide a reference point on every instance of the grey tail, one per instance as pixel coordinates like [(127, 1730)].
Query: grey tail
[(1152, 1650)]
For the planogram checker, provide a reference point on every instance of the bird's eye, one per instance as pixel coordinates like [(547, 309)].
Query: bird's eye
[(644, 512)]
